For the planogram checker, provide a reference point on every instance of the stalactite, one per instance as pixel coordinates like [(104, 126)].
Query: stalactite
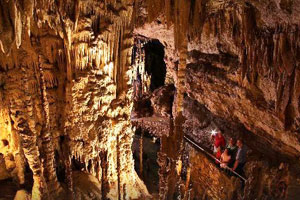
[(17, 26), (118, 168), (7, 34), (22, 115), (121, 66), (31, 153), (294, 112), (20, 165), (168, 12), (163, 174), (286, 54)]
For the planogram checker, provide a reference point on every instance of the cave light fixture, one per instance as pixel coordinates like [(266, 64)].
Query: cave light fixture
[(213, 132)]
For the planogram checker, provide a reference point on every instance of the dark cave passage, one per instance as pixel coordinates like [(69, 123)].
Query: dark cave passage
[(150, 147), (154, 63), (150, 100), (149, 65)]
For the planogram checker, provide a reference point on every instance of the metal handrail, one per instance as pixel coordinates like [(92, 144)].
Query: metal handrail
[(213, 157)]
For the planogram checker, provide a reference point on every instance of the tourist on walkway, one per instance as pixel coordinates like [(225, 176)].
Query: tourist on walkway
[(218, 154), (240, 159), (233, 150), (225, 158), (219, 141), (232, 145)]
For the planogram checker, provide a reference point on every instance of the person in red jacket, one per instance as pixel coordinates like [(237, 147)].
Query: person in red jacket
[(219, 141), (218, 154)]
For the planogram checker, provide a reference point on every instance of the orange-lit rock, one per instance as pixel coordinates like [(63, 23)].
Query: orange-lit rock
[(65, 96), (67, 103)]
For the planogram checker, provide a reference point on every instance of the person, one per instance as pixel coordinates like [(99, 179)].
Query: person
[(233, 150), (225, 158), (240, 159), (219, 141), (218, 154), (232, 145)]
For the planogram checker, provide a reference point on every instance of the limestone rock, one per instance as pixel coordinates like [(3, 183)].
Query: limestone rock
[(22, 195), (4, 174), (66, 95), (162, 100)]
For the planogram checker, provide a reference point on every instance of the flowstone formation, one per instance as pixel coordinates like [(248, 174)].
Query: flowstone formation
[(66, 99), (75, 76)]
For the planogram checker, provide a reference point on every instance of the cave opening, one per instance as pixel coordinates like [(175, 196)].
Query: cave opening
[(125, 99), (149, 67), (154, 63)]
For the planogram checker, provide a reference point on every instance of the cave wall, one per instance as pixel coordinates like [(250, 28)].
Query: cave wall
[(208, 181), (65, 82), (242, 67), (65, 90), (242, 61)]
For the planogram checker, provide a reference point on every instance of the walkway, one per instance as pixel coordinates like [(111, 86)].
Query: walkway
[(190, 141)]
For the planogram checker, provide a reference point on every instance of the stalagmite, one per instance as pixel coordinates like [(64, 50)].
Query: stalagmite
[(69, 40), (46, 136), (187, 184), (141, 154)]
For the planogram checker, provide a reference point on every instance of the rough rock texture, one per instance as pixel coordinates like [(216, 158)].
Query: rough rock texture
[(22, 195), (64, 95), (209, 181), (66, 70), (86, 186), (162, 100), (242, 71), (158, 121), (238, 56), (157, 126)]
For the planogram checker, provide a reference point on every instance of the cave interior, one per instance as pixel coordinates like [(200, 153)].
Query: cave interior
[(125, 99)]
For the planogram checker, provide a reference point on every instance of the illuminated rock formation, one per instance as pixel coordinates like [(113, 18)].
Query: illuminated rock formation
[(66, 98), (65, 95), (242, 71)]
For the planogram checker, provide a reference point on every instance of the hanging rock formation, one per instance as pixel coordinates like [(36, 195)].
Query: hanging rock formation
[(65, 97), (242, 62), (242, 70), (66, 75)]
